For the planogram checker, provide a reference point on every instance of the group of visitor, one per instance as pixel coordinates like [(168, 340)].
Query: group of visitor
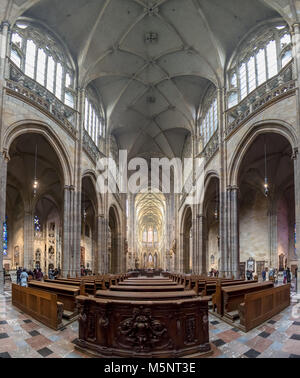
[(23, 276), (214, 273), (85, 271), (53, 274), (272, 275)]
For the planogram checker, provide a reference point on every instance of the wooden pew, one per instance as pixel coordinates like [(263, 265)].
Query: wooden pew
[(65, 293), (90, 287), (232, 296), (260, 306), (217, 297), (39, 304)]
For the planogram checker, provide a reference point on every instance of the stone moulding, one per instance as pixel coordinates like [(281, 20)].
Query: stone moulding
[(211, 148), (90, 147), (29, 91)]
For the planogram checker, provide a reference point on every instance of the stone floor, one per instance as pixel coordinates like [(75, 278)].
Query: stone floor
[(24, 337)]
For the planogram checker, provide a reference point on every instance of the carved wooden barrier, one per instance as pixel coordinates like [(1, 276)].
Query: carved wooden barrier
[(143, 328), (41, 305), (260, 306)]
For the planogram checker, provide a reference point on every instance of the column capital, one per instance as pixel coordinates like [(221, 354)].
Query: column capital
[(295, 153), (200, 216), (4, 24), (5, 155), (294, 27)]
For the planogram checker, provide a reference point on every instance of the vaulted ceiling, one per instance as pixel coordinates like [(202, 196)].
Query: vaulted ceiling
[(151, 61)]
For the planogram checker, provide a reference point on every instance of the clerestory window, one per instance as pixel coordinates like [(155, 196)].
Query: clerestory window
[(266, 53), (40, 56), (94, 120), (208, 121)]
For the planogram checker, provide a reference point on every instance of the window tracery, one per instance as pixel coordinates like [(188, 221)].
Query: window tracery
[(208, 121), (40, 57), (267, 51), (94, 120)]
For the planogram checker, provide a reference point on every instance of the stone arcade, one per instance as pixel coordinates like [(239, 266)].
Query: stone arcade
[(212, 83)]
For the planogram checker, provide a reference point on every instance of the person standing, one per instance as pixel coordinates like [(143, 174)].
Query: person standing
[(19, 271), (288, 275), (24, 278), (263, 275)]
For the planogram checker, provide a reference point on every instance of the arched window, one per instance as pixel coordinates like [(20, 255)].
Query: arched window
[(155, 235), (94, 120), (265, 53), (37, 53), (208, 121), (145, 236)]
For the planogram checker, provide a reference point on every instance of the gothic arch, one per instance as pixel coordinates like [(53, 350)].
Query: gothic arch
[(34, 127), (269, 126)]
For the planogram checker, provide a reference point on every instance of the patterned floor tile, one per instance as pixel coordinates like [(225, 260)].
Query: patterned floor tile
[(252, 353)]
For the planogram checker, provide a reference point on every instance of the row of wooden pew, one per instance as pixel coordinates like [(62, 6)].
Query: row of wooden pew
[(245, 304), (53, 302)]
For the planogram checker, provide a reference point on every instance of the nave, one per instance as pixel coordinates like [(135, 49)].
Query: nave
[(23, 337)]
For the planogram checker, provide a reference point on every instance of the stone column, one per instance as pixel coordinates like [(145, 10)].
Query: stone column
[(201, 245), (66, 268), (3, 181), (297, 212), (228, 255), (102, 245), (28, 239), (235, 237)]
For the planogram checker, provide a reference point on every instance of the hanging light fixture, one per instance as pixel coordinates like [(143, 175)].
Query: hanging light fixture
[(266, 183), (35, 181), (84, 213), (216, 212)]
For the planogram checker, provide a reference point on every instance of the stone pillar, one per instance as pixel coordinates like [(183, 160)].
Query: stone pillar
[(234, 228), (28, 239), (66, 268), (228, 255), (297, 212), (3, 181), (102, 245), (180, 260), (201, 245)]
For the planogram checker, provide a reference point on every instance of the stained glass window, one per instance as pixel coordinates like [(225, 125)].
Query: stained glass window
[(5, 240), (37, 224)]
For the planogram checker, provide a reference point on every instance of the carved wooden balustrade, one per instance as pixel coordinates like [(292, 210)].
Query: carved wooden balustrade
[(37, 95), (143, 323), (276, 88)]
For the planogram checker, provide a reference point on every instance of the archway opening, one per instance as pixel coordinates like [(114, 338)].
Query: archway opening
[(267, 206), (34, 199), (211, 250), (88, 243), (113, 242), (187, 241)]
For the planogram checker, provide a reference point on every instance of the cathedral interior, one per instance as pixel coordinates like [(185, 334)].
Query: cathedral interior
[(149, 156)]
